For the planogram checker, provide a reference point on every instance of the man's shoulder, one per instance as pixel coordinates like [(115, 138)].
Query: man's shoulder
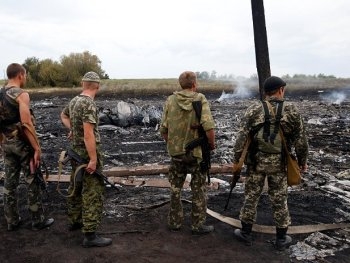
[(82, 100), (13, 92), (291, 109)]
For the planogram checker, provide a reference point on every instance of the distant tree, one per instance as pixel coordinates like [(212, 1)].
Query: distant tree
[(204, 75), (51, 73), (77, 64), (66, 73), (32, 66), (323, 76), (213, 74), (254, 77)]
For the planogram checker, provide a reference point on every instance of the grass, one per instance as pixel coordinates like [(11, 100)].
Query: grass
[(146, 87), (138, 87)]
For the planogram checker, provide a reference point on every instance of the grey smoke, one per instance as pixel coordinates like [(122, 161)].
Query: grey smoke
[(335, 97)]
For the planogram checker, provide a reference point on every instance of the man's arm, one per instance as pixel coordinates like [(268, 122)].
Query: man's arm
[(211, 138), (90, 144), (66, 122), (24, 111)]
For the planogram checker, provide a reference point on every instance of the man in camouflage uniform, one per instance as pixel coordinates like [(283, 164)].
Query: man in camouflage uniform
[(273, 166), (85, 205), (21, 151), (179, 126)]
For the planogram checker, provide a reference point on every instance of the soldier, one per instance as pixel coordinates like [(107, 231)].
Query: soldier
[(21, 150), (179, 126), (263, 162), (85, 201)]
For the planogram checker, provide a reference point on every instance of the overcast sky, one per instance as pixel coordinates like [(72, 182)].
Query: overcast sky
[(162, 38)]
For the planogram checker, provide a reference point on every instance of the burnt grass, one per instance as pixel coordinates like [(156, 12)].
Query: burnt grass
[(139, 233)]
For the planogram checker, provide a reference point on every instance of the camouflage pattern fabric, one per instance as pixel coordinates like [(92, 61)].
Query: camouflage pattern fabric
[(86, 205), (272, 166), (17, 155), (179, 122), (179, 119), (268, 165), (291, 122), (82, 109), (177, 175)]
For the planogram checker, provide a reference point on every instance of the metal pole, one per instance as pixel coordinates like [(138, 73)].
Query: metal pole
[(261, 46)]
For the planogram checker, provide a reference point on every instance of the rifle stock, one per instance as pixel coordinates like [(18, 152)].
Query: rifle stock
[(234, 181), (238, 168)]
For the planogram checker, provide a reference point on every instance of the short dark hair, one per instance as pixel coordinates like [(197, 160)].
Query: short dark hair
[(14, 69), (187, 79)]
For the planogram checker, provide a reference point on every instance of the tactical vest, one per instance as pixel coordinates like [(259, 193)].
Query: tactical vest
[(9, 109), (268, 137)]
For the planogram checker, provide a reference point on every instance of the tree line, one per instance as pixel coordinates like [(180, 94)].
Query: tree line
[(67, 72)]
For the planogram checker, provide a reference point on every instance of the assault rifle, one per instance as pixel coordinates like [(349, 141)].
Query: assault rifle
[(72, 155), (205, 164), (39, 176), (237, 171)]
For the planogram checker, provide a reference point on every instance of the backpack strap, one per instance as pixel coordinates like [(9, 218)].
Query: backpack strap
[(267, 122), (278, 117), (197, 106)]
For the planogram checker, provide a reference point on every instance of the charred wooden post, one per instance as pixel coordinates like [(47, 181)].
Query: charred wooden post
[(261, 46)]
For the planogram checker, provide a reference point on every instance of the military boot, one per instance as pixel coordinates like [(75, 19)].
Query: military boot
[(36, 226), (93, 240), (283, 241), (202, 230), (244, 234), (15, 226)]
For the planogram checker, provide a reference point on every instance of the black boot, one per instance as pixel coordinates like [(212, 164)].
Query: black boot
[(244, 234), (92, 240), (15, 226), (36, 226), (283, 241)]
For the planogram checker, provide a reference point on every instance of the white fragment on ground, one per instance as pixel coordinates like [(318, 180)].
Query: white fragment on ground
[(316, 246)]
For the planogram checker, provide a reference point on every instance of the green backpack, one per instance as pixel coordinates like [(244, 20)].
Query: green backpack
[(268, 137)]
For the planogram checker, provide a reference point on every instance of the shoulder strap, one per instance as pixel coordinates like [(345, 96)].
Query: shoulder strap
[(278, 117), (267, 122), (197, 106)]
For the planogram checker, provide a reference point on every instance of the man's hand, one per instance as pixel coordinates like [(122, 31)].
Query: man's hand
[(91, 167)]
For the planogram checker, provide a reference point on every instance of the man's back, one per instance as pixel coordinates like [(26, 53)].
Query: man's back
[(82, 109)]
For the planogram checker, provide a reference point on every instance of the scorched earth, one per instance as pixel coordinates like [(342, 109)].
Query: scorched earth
[(135, 216)]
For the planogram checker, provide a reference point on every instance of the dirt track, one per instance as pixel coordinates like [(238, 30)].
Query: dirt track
[(140, 235)]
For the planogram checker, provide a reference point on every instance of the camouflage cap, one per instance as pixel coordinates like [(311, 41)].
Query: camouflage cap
[(91, 77)]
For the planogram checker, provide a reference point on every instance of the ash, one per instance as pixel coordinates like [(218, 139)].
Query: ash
[(130, 137)]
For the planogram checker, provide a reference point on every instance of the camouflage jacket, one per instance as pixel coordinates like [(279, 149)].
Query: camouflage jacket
[(79, 110), (291, 122), (179, 121)]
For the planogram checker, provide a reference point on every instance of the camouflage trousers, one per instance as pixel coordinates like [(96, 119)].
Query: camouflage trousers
[(16, 159), (177, 175), (86, 204), (277, 191)]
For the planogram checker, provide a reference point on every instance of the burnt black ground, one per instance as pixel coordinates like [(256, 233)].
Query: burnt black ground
[(141, 235)]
